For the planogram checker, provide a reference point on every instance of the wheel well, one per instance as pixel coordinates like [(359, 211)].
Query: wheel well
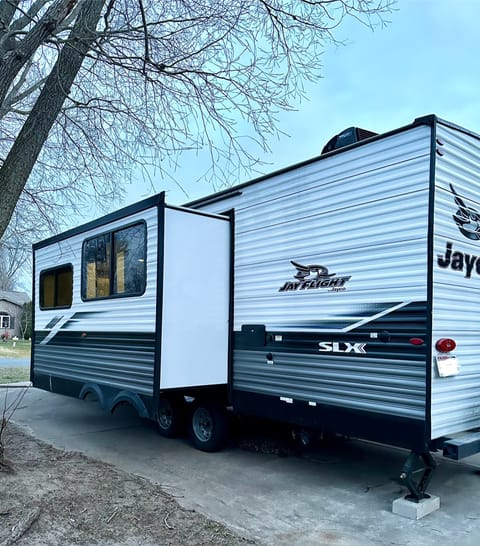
[(132, 399), (92, 389)]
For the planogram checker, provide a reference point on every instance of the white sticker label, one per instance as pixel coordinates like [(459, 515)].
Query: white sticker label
[(447, 365)]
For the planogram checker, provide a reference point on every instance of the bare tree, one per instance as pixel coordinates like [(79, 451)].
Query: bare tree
[(91, 88), (15, 248), (25, 320)]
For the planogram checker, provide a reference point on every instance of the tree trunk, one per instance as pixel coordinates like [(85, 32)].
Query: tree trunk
[(7, 11), (13, 61), (20, 160)]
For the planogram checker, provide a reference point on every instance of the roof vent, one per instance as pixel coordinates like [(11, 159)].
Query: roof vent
[(347, 137)]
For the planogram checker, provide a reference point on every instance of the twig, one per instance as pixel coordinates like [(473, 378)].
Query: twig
[(22, 527), (5, 415), (115, 512), (166, 522), (5, 466)]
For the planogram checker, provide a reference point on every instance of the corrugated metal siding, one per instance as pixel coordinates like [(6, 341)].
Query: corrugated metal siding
[(389, 377), (120, 362), (362, 214), (135, 314), (372, 386), (103, 356), (456, 298)]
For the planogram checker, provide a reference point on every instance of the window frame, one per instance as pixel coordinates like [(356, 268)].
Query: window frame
[(111, 233), (3, 315), (57, 269)]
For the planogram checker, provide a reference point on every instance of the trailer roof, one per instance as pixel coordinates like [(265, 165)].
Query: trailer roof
[(233, 191), (153, 201), (430, 119)]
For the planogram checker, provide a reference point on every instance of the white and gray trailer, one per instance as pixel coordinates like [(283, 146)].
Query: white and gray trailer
[(356, 286)]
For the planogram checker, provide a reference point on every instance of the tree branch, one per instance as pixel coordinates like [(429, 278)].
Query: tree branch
[(14, 61), (19, 163)]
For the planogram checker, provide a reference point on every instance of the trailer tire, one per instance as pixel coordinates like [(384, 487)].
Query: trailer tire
[(208, 427), (170, 417)]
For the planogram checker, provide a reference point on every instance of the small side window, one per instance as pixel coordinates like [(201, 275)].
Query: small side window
[(56, 287)]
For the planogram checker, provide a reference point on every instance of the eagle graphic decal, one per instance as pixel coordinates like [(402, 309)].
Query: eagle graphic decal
[(466, 218), (304, 271)]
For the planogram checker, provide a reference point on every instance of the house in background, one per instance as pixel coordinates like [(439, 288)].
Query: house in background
[(11, 309)]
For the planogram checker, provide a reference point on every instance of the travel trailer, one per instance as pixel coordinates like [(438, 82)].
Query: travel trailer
[(337, 295)]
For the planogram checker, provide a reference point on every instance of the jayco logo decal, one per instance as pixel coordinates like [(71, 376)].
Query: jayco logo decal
[(468, 222), (459, 261), (314, 276)]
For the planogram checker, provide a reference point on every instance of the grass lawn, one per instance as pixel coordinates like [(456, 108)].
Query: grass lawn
[(12, 375), (21, 350)]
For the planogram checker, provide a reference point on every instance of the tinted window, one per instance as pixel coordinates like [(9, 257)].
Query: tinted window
[(96, 267), (129, 251), (56, 287), (114, 263)]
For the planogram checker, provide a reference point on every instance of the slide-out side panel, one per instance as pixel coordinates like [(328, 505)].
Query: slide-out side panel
[(107, 341), (456, 280), (196, 299)]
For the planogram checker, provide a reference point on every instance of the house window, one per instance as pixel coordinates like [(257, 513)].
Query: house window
[(113, 263), (56, 287), (6, 321)]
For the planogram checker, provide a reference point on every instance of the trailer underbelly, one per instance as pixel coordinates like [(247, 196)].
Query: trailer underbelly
[(392, 430)]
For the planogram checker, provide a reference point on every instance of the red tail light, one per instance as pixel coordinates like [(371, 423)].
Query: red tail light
[(445, 345)]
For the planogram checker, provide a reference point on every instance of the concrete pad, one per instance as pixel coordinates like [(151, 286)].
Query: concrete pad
[(415, 510), (339, 494)]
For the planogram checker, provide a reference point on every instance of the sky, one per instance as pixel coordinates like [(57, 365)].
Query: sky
[(425, 61)]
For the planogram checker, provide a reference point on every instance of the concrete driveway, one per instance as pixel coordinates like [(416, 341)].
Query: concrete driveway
[(338, 495)]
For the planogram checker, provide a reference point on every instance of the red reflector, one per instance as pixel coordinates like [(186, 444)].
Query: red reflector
[(416, 341), (445, 345)]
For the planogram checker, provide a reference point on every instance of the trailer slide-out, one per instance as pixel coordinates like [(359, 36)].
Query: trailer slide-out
[(337, 295)]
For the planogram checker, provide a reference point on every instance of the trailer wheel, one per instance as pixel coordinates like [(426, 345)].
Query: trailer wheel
[(170, 417), (208, 427)]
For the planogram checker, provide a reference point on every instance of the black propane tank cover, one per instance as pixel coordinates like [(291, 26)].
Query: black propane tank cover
[(253, 335)]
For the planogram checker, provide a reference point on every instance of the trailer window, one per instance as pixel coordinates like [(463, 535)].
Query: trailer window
[(96, 267), (56, 287), (114, 263)]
